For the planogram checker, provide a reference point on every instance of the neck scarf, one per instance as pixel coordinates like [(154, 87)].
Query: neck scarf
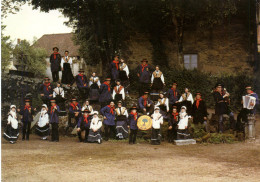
[(47, 86), (143, 66), (86, 119), (135, 115), (27, 107), (52, 107), (175, 115), (74, 106), (111, 109), (82, 76), (54, 54), (108, 85), (116, 62), (198, 103), (174, 92), (145, 101)]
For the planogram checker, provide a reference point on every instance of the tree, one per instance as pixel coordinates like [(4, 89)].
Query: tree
[(10, 7), (6, 50), (30, 58)]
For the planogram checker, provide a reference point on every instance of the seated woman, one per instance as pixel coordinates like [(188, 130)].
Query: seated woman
[(163, 104), (94, 85), (88, 107), (42, 128), (94, 129), (186, 100), (121, 121), (59, 95), (11, 132), (182, 132)]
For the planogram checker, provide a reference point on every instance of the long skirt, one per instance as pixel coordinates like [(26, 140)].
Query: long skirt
[(42, 131), (156, 137), (11, 134), (67, 76), (157, 84), (94, 136), (94, 92), (183, 134), (123, 76), (121, 129)]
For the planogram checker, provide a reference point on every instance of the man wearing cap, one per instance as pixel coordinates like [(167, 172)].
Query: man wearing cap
[(174, 120), (105, 93), (27, 117), (55, 60), (173, 95), (221, 108), (144, 72), (199, 110), (114, 67), (109, 120), (81, 81), (83, 126), (46, 91), (132, 124), (145, 104), (74, 112), (121, 123), (118, 92), (54, 121)]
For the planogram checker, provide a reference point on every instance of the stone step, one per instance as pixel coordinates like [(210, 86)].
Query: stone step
[(185, 142)]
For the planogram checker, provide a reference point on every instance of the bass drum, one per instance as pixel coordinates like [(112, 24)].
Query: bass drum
[(144, 122)]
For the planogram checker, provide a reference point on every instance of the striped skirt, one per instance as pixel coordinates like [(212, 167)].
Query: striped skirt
[(42, 131), (122, 129), (94, 136), (11, 134)]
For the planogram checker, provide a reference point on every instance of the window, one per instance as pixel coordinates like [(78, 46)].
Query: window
[(190, 61)]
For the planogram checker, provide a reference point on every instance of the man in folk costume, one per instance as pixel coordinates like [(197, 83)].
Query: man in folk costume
[(183, 132), (105, 93), (11, 132), (163, 104), (144, 73), (59, 95), (145, 104), (172, 130), (83, 126), (27, 117), (132, 124), (94, 85), (74, 112), (221, 108), (243, 114), (87, 106), (54, 121), (118, 92), (114, 67), (186, 99), (124, 74), (66, 64), (156, 125), (94, 129), (55, 60), (173, 95), (46, 91), (199, 110), (121, 121), (109, 120), (157, 80), (42, 128), (82, 84)]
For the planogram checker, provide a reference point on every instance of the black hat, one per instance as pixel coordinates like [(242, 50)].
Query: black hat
[(86, 111), (53, 100), (218, 85), (198, 93), (133, 107), (81, 70), (144, 60), (174, 107), (27, 100), (73, 99), (119, 102), (108, 79), (118, 80), (146, 93), (55, 48), (161, 92), (248, 88), (174, 83)]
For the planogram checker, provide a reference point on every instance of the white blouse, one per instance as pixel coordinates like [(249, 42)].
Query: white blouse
[(95, 124), (63, 61), (121, 92), (12, 119), (43, 119), (165, 101), (190, 98), (157, 120), (184, 119)]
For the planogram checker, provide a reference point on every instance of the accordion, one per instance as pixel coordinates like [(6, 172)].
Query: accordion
[(248, 102)]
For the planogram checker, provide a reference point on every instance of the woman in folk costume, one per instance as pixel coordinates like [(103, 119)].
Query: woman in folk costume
[(182, 132), (66, 64), (94, 85), (109, 120), (121, 121), (163, 104), (54, 121), (42, 128), (83, 126), (186, 99), (87, 106), (11, 132), (105, 93), (132, 124), (172, 123), (124, 74), (199, 110), (59, 95), (94, 130), (157, 80), (156, 125), (118, 92)]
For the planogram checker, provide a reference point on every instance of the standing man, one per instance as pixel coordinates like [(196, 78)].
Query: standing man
[(54, 121), (114, 67), (173, 96), (144, 72), (46, 91), (105, 93), (55, 60), (81, 81)]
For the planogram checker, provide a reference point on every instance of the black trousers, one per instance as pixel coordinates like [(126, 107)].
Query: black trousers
[(172, 134), (55, 132), (55, 76), (83, 93), (148, 109), (132, 136), (85, 139), (144, 87), (46, 100), (70, 124), (110, 129), (26, 130), (156, 137)]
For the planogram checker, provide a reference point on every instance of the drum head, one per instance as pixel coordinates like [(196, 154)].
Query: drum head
[(144, 122)]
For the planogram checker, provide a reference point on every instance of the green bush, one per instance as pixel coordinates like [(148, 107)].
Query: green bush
[(217, 138)]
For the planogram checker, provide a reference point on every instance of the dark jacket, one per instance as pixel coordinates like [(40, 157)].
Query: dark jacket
[(55, 63), (132, 122), (145, 73), (54, 115), (200, 112), (27, 116)]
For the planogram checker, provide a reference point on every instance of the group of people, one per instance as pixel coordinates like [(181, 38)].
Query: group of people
[(119, 122)]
